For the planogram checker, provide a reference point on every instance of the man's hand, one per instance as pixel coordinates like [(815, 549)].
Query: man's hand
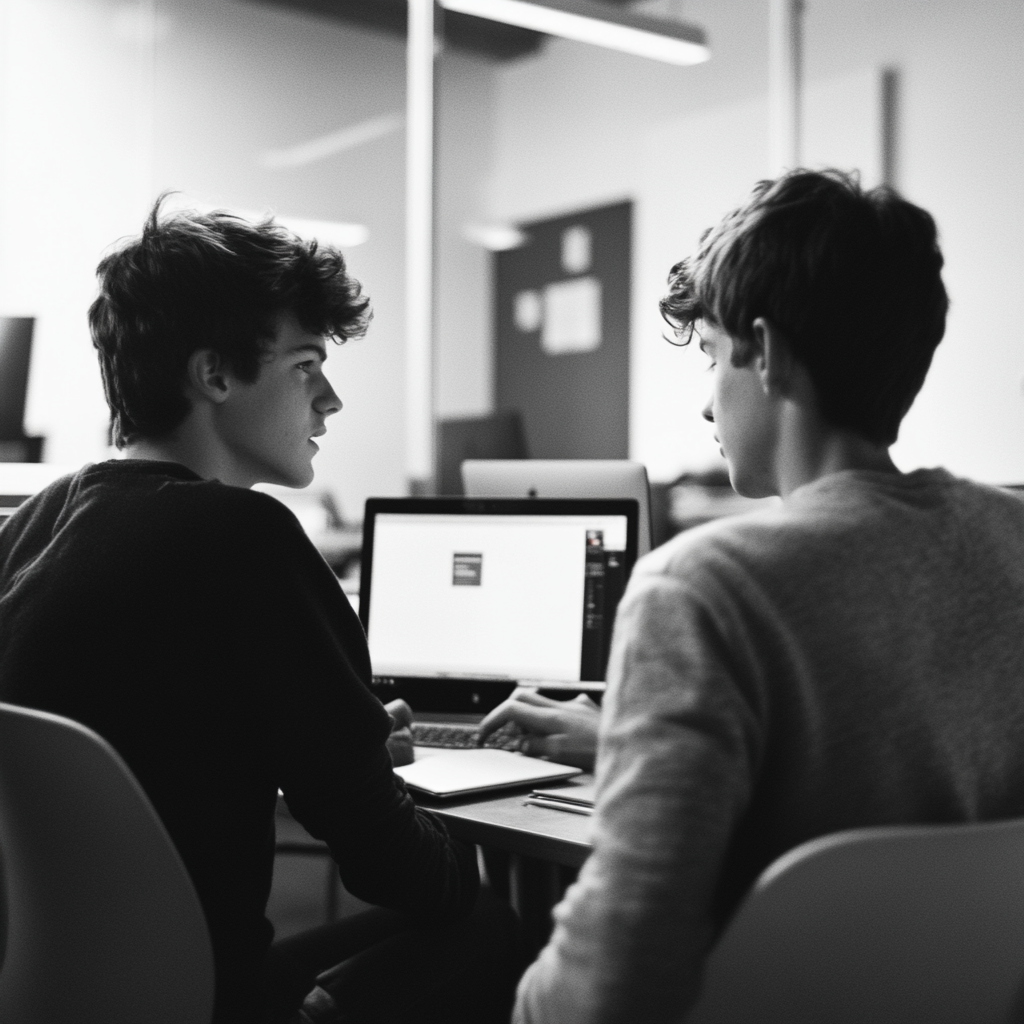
[(400, 740), (560, 730)]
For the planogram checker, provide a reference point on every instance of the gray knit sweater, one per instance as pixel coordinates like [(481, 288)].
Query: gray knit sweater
[(853, 657)]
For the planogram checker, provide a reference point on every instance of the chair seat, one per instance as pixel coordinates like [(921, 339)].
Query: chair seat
[(907, 925)]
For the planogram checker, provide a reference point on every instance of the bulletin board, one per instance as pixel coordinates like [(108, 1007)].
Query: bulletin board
[(562, 333)]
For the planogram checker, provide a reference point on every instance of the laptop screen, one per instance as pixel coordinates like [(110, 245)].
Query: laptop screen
[(502, 590)]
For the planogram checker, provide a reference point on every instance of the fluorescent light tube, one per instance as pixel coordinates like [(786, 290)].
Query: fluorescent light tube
[(336, 142), (496, 237), (587, 21)]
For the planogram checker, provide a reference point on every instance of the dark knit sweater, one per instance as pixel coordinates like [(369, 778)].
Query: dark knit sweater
[(195, 627)]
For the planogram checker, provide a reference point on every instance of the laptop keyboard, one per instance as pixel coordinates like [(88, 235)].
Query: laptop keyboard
[(458, 736)]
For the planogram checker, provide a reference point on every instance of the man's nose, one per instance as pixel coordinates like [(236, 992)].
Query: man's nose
[(328, 403)]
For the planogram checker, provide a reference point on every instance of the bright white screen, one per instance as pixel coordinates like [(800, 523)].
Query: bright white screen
[(523, 620)]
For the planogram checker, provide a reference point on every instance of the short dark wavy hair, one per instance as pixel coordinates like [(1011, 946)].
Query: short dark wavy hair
[(215, 281), (851, 277)]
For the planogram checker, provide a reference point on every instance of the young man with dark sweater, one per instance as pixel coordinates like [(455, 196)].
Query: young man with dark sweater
[(189, 621), (851, 657)]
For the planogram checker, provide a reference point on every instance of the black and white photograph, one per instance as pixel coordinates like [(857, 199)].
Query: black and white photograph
[(511, 512)]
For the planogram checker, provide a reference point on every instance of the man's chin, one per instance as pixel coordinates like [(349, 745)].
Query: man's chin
[(296, 477), (746, 487), (302, 479)]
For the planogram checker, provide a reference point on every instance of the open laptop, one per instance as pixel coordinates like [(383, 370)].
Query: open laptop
[(464, 599), (563, 478)]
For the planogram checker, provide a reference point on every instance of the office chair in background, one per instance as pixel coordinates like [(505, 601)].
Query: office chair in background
[(900, 925), (103, 925)]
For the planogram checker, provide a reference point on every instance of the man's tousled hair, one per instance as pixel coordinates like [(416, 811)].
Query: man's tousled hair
[(215, 281), (851, 277)]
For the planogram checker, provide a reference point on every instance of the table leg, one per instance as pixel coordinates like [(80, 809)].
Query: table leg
[(535, 886)]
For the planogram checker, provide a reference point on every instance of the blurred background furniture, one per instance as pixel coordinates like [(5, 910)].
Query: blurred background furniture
[(563, 478), (317, 511), (102, 921), (902, 925), (15, 356), (20, 480), (498, 436)]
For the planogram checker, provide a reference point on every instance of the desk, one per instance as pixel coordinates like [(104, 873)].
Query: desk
[(505, 822), (540, 843)]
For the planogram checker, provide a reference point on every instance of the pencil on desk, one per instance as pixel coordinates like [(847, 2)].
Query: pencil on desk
[(558, 805)]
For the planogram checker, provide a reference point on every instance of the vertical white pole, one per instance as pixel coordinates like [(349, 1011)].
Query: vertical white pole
[(889, 88), (146, 100), (785, 59), (6, 38), (419, 246)]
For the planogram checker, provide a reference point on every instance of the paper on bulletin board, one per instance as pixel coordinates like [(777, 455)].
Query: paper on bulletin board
[(572, 316)]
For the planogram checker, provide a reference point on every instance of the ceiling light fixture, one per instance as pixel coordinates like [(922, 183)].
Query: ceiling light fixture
[(588, 21), (496, 237), (339, 141)]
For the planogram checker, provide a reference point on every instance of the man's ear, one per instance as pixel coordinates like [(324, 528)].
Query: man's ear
[(774, 358), (207, 376)]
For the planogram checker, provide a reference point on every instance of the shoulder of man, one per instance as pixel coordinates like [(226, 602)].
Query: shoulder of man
[(250, 523), (732, 540), (33, 521), (195, 518)]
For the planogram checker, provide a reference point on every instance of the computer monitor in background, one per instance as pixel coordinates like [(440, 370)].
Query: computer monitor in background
[(498, 436), (563, 478), (15, 356)]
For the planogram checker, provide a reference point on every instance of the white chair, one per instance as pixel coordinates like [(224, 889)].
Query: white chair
[(103, 922), (904, 925)]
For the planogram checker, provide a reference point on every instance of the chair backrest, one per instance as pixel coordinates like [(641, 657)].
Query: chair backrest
[(903, 925), (103, 922)]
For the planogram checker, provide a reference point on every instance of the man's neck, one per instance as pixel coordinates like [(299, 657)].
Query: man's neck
[(187, 449), (811, 451)]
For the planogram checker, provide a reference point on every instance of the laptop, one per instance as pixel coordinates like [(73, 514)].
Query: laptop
[(465, 599), (563, 478)]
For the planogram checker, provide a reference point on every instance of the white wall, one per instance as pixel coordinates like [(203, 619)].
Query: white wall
[(677, 198), (576, 126)]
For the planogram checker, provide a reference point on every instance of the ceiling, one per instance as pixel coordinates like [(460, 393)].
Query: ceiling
[(474, 35)]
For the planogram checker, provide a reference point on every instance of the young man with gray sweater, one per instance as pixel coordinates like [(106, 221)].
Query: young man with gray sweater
[(852, 657)]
